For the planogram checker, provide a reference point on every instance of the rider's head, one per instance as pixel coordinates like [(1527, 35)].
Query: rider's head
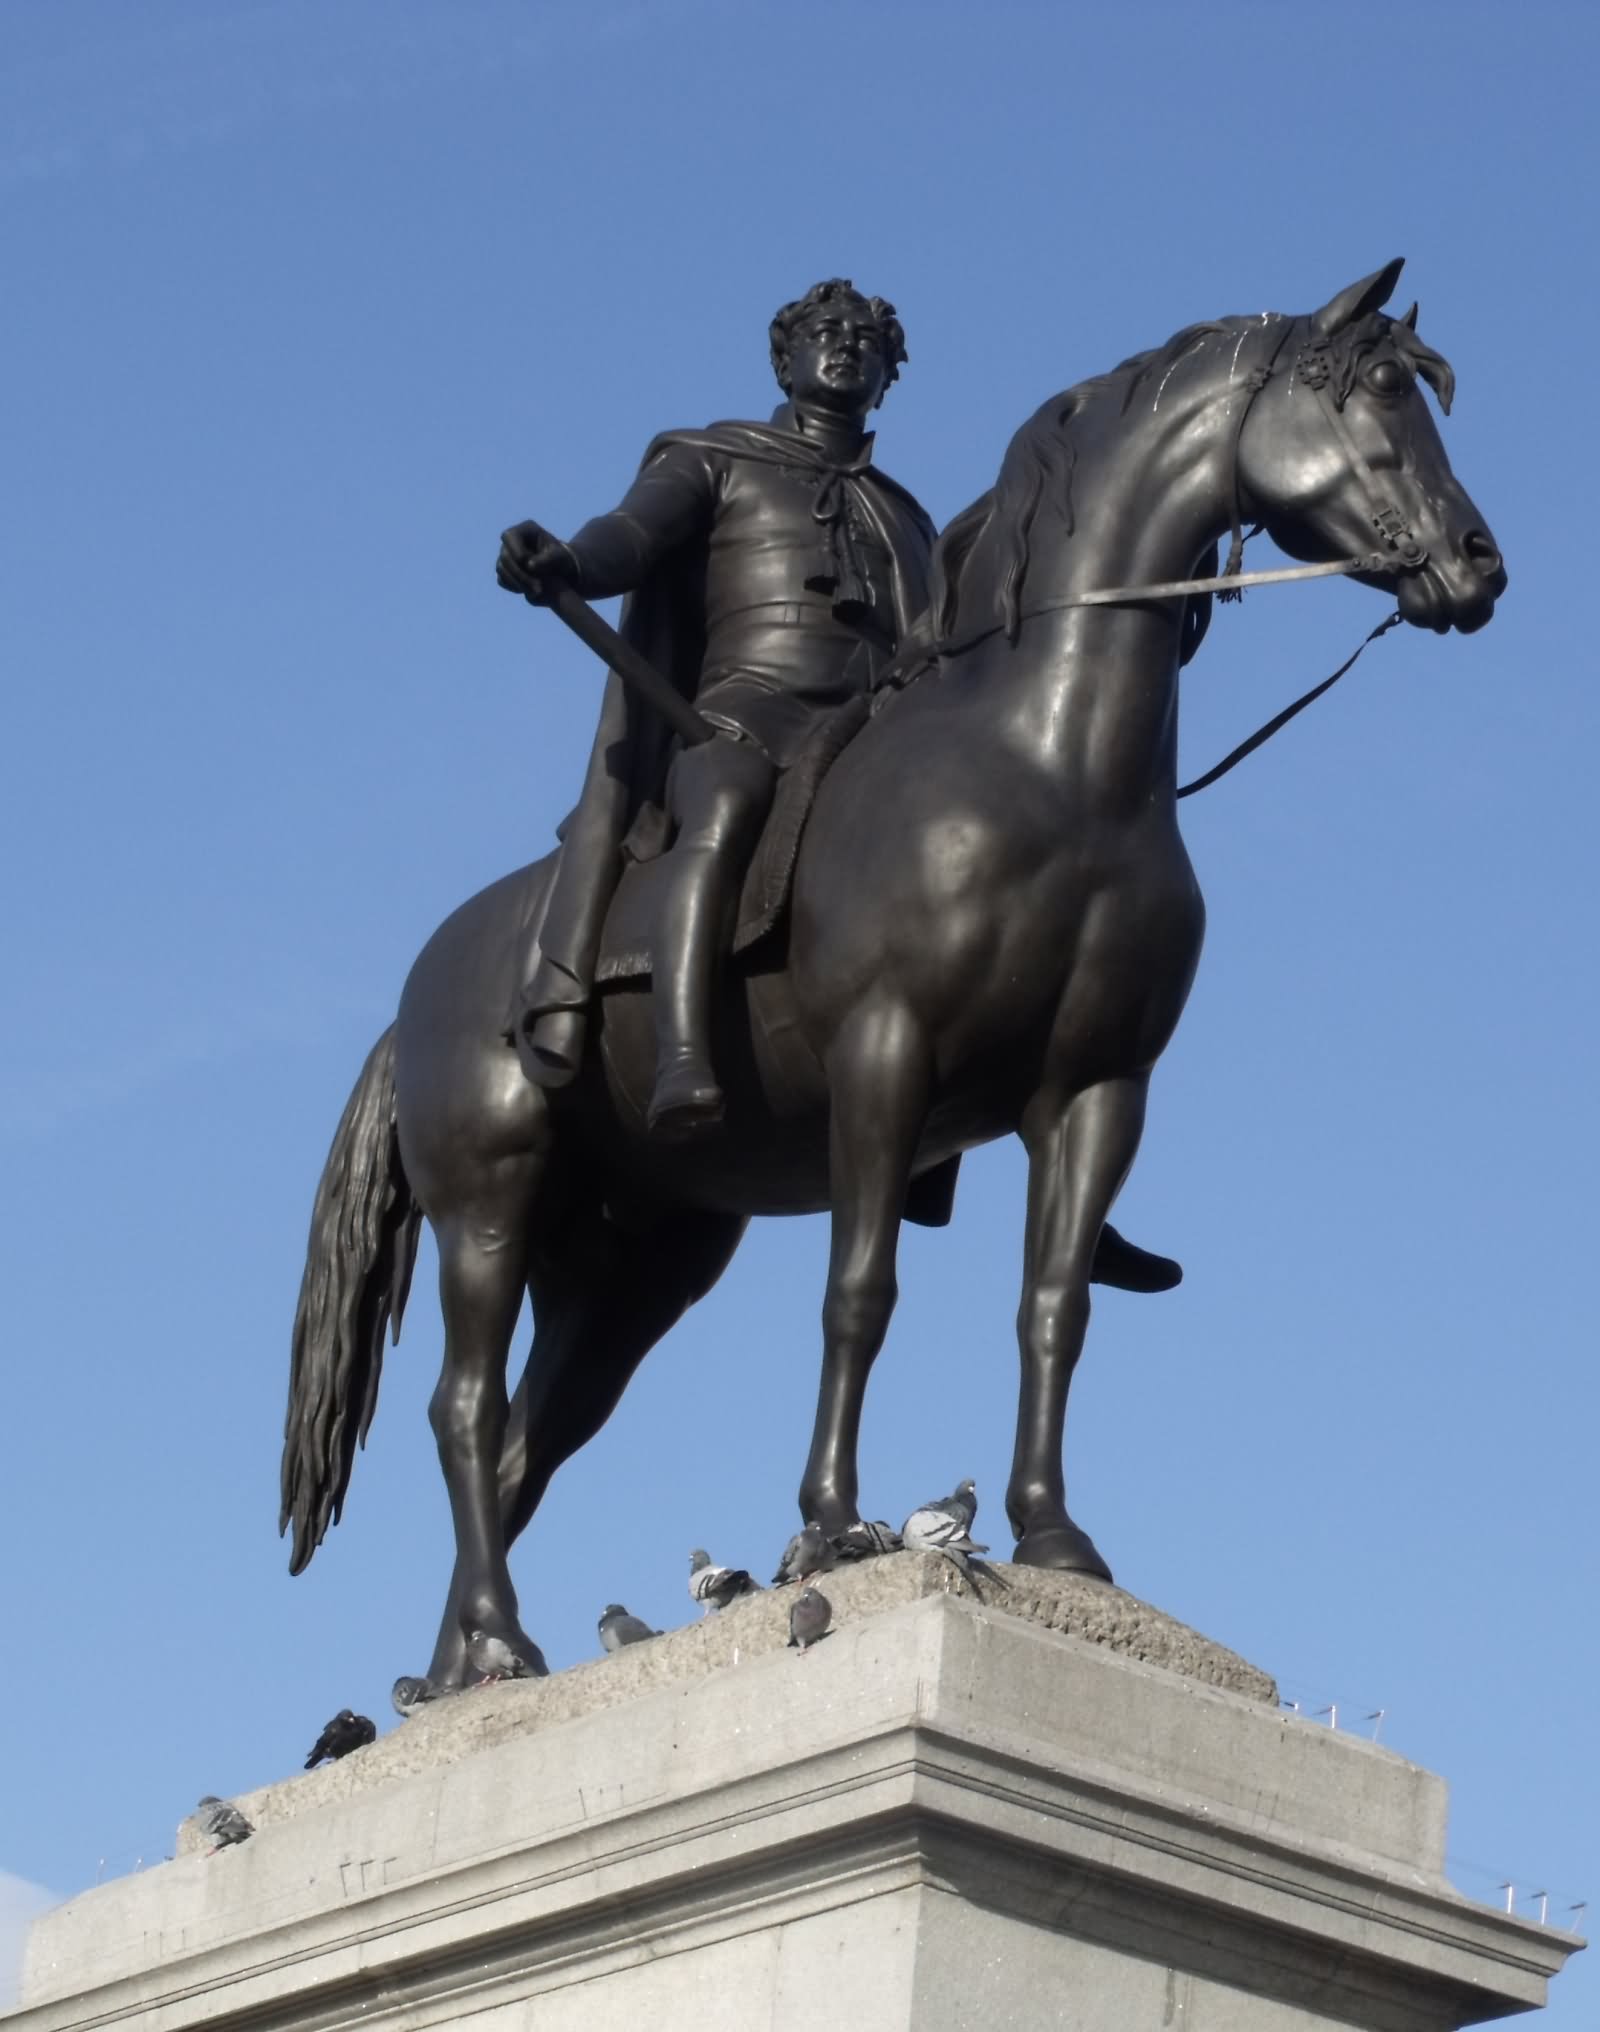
[(837, 350)]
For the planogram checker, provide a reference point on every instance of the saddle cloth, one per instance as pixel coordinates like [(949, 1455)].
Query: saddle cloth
[(764, 899)]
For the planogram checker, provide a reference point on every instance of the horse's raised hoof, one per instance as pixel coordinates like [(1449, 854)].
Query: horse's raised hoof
[(1063, 1548), (1123, 1266)]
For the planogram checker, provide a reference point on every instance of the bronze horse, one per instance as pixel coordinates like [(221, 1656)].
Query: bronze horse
[(993, 930)]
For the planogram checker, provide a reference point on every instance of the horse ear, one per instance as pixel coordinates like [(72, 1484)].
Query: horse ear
[(1410, 317), (1370, 294)]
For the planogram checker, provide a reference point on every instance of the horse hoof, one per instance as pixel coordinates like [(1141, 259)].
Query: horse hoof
[(832, 1516), (505, 1653), (1123, 1266), (1064, 1549)]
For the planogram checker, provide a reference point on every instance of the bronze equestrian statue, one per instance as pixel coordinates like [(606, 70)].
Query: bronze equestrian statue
[(772, 570), (973, 916)]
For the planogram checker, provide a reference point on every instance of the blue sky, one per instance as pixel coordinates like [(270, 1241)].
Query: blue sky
[(304, 304)]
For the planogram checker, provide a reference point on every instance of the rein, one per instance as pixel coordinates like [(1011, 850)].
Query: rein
[(1402, 553), (1280, 720)]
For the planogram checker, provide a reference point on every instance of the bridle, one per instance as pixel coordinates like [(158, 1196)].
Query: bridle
[(1400, 552)]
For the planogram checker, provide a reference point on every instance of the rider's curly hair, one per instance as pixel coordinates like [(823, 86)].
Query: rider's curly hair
[(793, 316)]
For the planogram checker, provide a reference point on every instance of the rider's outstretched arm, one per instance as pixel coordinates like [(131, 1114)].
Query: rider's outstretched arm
[(671, 502)]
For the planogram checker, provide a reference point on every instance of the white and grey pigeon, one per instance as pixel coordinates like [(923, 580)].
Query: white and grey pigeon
[(808, 1552), (618, 1628), (492, 1658), (809, 1618), (863, 1540), (222, 1823), (409, 1693), (945, 1526), (713, 1587)]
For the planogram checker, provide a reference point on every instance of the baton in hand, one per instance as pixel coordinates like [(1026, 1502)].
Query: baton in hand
[(637, 673)]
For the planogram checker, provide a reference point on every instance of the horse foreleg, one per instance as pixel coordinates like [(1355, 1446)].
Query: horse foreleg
[(879, 1076), (482, 1266), (1077, 1159)]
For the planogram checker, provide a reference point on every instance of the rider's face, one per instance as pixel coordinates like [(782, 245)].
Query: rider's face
[(837, 361)]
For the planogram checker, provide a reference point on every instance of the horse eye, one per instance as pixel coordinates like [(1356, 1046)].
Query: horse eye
[(1388, 377)]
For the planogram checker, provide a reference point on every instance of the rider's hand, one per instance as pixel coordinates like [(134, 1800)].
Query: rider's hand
[(532, 562)]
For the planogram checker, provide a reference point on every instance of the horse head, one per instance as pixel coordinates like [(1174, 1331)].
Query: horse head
[(1339, 456)]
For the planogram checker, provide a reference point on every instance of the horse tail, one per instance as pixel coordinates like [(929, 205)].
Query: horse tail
[(363, 1247)]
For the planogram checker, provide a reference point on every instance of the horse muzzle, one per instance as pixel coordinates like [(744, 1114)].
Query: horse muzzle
[(1455, 586)]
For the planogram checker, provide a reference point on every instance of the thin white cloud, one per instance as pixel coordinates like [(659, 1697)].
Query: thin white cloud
[(20, 1904)]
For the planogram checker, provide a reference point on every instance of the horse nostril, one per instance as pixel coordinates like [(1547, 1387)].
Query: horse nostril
[(1480, 551)]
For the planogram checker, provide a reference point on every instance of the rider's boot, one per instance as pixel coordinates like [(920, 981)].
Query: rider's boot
[(1119, 1263), (687, 952)]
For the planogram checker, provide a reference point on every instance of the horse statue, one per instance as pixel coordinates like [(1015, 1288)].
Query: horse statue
[(992, 931)]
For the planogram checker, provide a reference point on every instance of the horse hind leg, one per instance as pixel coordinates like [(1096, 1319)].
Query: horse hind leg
[(614, 1294), (482, 1271), (602, 1298)]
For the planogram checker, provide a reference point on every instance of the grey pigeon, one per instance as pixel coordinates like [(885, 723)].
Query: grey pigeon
[(617, 1628), (221, 1823), (862, 1540), (809, 1618), (807, 1552), (946, 1526), (346, 1732), (408, 1694), (493, 1658), (715, 1586), (962, 1502)]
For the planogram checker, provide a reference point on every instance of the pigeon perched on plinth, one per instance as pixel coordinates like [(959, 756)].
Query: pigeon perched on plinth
[(863, 1540), (715, 1586), (809, 1618), (618, 1628), (408, 1694), (221, 1823), (807, 1552), (492, 1658), (945, 1526), (346, 1732)]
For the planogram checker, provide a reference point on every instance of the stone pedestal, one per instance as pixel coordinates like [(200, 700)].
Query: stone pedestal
[(952, 1813)]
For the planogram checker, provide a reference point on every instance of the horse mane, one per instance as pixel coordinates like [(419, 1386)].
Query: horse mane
[(1038, 466), (993, 537)]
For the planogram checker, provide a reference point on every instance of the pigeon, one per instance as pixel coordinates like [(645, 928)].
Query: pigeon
[(809, 1618), (715, 1586), (946, 1526), (492, 1658), (618, 1628), (807, 1552), (862, 1540), (408, 1694), (221, 1823), (346, 1732)]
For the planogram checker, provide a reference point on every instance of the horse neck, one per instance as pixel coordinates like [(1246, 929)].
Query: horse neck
[(1150, 492)]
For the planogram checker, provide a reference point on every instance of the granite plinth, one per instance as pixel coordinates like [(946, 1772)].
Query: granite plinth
[(946, 1814), (754, 1627)]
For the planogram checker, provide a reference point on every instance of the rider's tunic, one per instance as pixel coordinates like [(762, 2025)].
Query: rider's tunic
[(779, 652)]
